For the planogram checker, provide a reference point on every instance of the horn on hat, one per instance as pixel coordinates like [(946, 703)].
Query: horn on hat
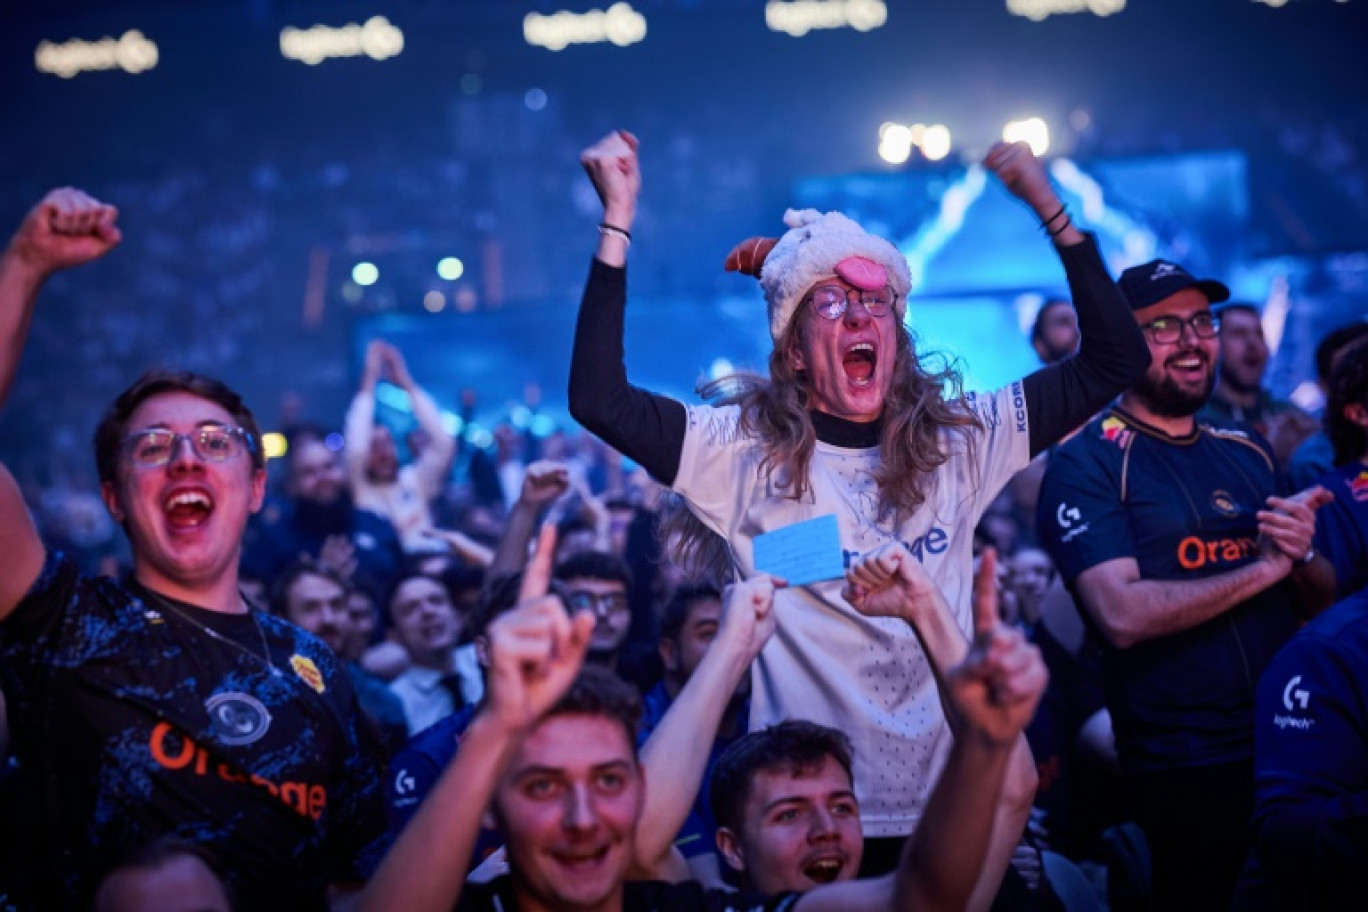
[(749, 255)]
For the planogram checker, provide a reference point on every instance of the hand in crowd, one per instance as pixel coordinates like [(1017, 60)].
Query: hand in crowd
[(544, 482), (67, 228), (397, 368), (1020, 172), (376, 354), (1287, 430), (536, 649), (995, 690), (463, 546), (748, 620), (612, 166), (339, 553), (888, 582), (1288, 527)]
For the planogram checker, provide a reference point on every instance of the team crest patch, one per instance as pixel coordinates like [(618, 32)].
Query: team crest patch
[(1115, 430), (237, 718), (1224, 503), (1359, 487), (308, 672)]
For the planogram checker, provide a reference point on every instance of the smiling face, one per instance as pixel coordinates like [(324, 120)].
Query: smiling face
[(848, 361), (184, 519), (568, 809), (800, 829), (1181, 373)]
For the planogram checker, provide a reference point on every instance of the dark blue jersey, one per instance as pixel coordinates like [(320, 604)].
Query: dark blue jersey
[(1311, 770), (1183, 509), (1342, 526), (134, 721)]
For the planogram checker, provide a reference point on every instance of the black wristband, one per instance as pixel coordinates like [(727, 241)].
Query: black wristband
[(605, 228)]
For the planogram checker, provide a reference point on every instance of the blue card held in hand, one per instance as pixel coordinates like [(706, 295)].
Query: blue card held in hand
[(805, 552)]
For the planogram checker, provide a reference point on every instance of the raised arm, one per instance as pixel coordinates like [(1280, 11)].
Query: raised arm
[(643, 426), (434, 462), (890, 582), (543, 482), (993, 692), (1112, 353), (360, 421), (67, 228), (676, 756), (535, 652)]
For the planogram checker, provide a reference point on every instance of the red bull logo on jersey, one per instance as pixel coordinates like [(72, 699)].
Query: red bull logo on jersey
[(1358, 487), (1195, 552), (1115, 430)]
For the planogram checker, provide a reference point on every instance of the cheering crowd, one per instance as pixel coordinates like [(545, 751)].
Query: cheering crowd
[(1095, 636)]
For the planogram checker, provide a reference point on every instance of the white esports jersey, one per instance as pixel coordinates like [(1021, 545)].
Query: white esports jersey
[(868, 677)]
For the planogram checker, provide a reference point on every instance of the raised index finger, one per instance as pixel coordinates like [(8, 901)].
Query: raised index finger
[(985, 593), (536, 577)]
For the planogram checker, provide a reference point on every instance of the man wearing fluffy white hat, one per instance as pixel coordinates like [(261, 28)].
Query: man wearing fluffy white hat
[(850, 423)]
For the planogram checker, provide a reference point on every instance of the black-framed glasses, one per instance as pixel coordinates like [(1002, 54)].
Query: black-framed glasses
[(605, 602), (832, 301), (211, 443), (1167, 330)]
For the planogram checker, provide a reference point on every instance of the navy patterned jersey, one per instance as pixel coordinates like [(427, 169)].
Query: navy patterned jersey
[(132, 721)]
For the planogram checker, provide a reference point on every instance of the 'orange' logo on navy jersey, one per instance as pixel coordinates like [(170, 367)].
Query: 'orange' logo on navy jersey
[(1195, 553)]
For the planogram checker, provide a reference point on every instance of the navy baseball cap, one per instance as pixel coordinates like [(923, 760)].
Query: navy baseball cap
[(1149, 283)]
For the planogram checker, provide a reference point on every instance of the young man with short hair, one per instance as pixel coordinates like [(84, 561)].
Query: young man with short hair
[(786, 811)]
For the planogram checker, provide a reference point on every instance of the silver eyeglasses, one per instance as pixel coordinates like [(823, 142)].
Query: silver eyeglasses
[(211, 443), (832, 301)]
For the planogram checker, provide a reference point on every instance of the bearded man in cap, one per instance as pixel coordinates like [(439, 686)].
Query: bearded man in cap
[(1195, 567), (851, 423)]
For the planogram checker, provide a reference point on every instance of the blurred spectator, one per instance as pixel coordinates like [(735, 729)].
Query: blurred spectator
[(598, 582), (1054, 335), (317, 519), (1316, 456), (315, 597), (378, 483), (424, 621), (1342, 524), (1030, 572), (1240, 395)]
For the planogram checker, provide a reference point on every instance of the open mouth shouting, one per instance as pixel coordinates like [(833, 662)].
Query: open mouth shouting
[(859, 363), (187, 508), (825, 868)]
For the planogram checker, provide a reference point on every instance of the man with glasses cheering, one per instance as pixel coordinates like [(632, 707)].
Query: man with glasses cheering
[(163, 706), (1194, 567)]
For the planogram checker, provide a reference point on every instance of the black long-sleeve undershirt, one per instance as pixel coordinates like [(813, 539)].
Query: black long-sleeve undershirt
[(649, 428)]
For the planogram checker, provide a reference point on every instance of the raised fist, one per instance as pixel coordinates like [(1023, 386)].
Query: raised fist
[(67, 228)]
